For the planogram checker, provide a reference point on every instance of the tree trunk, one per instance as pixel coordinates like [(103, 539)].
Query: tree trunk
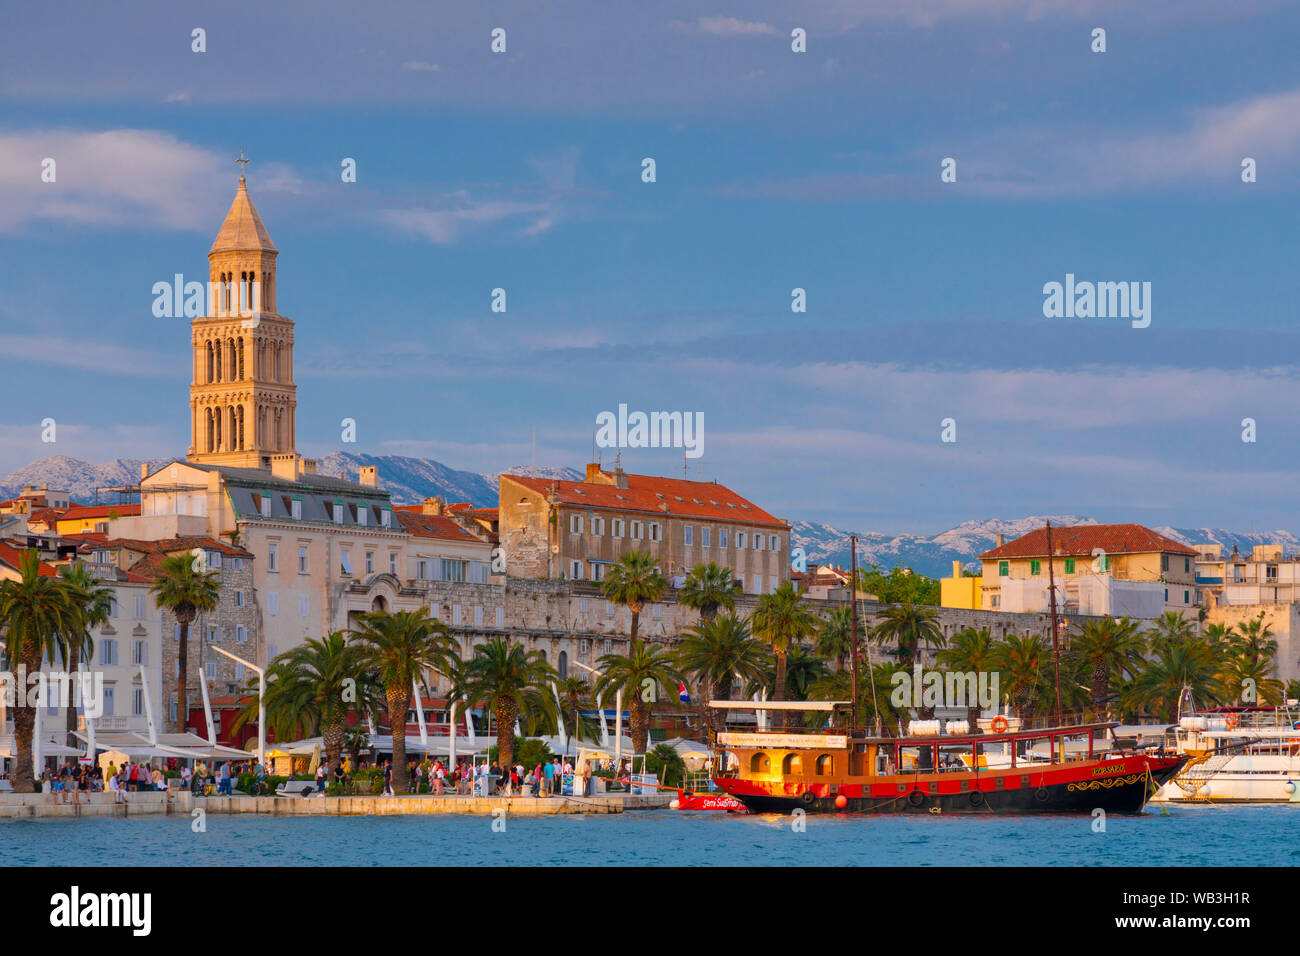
[(183, 661), (779, 691), (640, 724), (24, 724), (505, 715), (636, 620), (334, 735), (74, 661), (399, 700)]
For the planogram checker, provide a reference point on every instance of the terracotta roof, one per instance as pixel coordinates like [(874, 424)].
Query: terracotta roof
[(242, 230), (95, 540), (82, 512), (1079, 540), (672, 497), (14, 558), (432, 526)]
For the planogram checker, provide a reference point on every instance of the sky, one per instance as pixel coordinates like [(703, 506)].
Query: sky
[(775, 170)]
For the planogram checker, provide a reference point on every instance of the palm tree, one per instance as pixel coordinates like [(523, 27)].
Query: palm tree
[(910, 627), (399, 648), (185, 590), (1239, 672), (707, 588), (970, 650), (575, 694), (1025, 665), (838, 685), (835, 636), (1173, 626), (94, 606), (638, 674), (508, 681), (634, 581), (37, 613), (780, 620), (1175, 664), (803, 666), (1254, 639), (312, 689), (716, 652), (1110, 648)]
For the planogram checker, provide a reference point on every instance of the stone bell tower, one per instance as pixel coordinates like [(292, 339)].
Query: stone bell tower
[(242, 396)]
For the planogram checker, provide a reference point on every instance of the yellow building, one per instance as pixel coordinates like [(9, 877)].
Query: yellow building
[(960, 592), (92, 518)]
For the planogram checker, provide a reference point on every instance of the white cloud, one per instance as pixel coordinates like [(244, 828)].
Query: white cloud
[(419, 66), (722, 26)]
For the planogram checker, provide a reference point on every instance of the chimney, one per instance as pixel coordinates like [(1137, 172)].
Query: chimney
[(999, 544), (620, 478), (370, 476), (593, 471), (956, 569), (433, 506), (144, 470), (285, 466)]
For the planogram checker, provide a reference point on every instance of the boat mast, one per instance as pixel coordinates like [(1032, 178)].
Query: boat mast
[(1051, 599), (853, 627)]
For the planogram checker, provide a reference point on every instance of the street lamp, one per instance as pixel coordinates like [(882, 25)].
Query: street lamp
[(261, 702), (618, 717)]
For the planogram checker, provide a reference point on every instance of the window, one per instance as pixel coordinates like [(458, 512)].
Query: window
[(370, 562), (295, 508), (171, 708), (1187, 564), (455, 615), (636, 530), (774, 542), (1187, 597), (609, 646), (108, 706), (273, 603), (1164, 562), (825, 766), (688, 535), (139, 653), (345, 559), (1166, 595), (108, 652), (363, 514), (658, 611), (609, 608), (772, 584), (758, 542), (722, 537), (453, 570), (212, 633), (210, 670), (265, 506), (478, 615), (616, 528), (272, 558), (792, 765), (575, 524), (338, 512), (1103, 562), (241, 634), (740, 540), (704, 537), (597, 571), (392, 563), (656, 532), (1035, 566), (304, 605), (598, 526), (760, 763), (582, 646), (214, 560), (575, 570), (239, 597), (501, 617), (1004, 568), (997, 600), (422, 570), (139, 607), (386, 518), (302, 560), (1069, 565), (137, 702), (239, 671), (562, 663)]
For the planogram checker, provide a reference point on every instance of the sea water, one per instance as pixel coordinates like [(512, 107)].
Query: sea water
[(1247, 835)]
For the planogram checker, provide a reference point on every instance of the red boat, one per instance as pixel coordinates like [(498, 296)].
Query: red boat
[(708, 801), (1060, 769)]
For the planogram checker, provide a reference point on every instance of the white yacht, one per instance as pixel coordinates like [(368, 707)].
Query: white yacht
[(1240, 755)]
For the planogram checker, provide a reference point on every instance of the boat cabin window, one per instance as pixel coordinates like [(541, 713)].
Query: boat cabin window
[(759, 763), (792, 765), (825, 766)]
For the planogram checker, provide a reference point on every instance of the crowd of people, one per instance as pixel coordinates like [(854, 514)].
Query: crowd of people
[(467, 778)]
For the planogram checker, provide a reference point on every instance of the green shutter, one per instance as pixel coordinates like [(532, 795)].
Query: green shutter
[(1035, 567), (1004, 568), (1069, 565)]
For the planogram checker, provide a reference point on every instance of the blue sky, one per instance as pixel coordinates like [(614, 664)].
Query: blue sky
[(776, 170)]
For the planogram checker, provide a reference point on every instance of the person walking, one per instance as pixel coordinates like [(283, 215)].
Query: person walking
[(388, 779), (538, 776)]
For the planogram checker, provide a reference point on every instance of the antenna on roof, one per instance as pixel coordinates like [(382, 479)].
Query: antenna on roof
[(534, 466)]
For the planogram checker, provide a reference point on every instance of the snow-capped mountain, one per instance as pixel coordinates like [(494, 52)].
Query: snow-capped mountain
[(78, 477), (933, 555)]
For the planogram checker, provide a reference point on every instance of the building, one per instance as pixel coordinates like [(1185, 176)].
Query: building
[(81, 518), (961, 590), (573, 530), (1105, 569)]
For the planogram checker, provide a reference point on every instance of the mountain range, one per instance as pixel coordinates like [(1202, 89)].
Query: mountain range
[(410, 480)]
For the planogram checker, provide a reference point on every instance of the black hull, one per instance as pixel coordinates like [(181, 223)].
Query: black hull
[(1125, 796)]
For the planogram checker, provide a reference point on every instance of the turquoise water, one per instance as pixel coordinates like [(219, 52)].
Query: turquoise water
[(1187, 836)]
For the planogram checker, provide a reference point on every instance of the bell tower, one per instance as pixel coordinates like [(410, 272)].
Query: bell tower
[(242, 397)]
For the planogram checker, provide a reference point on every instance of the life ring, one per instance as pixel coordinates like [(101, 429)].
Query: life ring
[(808, 798), (976, 798), (1296, 725), (1231, 721), (916, 798), (1000, 724), (1041, 794)]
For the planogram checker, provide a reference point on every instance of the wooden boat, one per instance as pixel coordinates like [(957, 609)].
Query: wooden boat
[(1061, 769)]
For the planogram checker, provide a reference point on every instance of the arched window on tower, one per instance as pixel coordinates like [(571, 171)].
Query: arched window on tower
[(216, 434), (208, 430), (231, 359), (208, 377), (240, 417), (217, 364), (275, 362), (562, 663), (241, 358)]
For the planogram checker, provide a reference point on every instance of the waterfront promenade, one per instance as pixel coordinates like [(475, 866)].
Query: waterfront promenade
[(39, 805)]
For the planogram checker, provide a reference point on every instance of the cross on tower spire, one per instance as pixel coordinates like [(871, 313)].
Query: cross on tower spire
[(242, 159)]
